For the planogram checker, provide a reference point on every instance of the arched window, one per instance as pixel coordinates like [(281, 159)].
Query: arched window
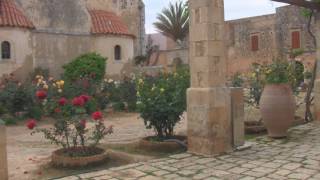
[(5, 50), (117, 52)]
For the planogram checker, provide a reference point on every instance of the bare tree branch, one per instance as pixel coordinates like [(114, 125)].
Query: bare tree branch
[(302, 3)]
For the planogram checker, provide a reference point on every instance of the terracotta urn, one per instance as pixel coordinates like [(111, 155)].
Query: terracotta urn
[(277, 106)]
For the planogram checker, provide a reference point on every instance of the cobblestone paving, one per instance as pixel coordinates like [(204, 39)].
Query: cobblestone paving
[(297, 157)]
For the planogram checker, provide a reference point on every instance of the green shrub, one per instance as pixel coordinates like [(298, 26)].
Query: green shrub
[(162, 101), (308, 75), (91, 65), (10, 121), (118, 106), (15, 97), (121, 94), (237, 80), (34, 112), (91, 106), (3, 110), (298, 73)]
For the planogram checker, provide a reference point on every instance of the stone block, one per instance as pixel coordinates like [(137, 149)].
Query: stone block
[(317, 100), (3, 153), (209, 121), (207, 71), (237, 116)]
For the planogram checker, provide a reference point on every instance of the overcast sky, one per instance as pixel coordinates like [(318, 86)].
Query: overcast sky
[(234, 9)]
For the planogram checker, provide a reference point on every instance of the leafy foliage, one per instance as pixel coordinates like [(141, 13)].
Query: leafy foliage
[(237, 80), (162, 100), (173, 22), (121, 94), (88, 66)]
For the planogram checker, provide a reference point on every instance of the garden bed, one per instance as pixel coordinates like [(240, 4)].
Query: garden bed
[(78, 157), (173, 144)]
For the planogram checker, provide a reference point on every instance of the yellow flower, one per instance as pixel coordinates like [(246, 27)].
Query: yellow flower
[(140, 81), (62, 82), (46, 86), (153, 87), (161, 90), (110, 81)]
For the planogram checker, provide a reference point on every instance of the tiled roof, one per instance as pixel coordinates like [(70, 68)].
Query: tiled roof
[(104, 22), (11, 16)]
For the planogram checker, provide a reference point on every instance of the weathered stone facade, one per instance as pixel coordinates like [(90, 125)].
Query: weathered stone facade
[(275, 38), (64, 30)]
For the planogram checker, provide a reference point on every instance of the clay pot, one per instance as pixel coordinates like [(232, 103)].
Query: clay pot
[(60, 159), (277, 106)]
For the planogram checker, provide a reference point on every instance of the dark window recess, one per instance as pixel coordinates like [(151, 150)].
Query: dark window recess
[(117, 52), (255, 43), (5, 50)]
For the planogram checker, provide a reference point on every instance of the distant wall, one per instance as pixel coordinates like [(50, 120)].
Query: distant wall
[(52, 51), (239, 32), (54, 16)]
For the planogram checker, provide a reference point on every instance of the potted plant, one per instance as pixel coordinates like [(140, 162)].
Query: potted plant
[(78, 141), (277, 103), (161, 103)]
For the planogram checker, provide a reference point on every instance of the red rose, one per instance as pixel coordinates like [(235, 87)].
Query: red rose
[(31, 124), (78, 101), (96, 115), (41, 94), (62, 101), (57, 110), (85, 98), (83, 123)]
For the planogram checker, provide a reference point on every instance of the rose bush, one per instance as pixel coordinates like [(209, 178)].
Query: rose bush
[(70, 128), (162, 101)]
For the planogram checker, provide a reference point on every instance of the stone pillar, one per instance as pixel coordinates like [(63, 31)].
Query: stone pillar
[(3, 153), (209, 121), (317, 80), (237, 117)]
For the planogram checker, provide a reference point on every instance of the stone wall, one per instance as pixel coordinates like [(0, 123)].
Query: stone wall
[(53, 16), (288, 19), (275, 40), (239, 33), (21, 50), (52, 51)]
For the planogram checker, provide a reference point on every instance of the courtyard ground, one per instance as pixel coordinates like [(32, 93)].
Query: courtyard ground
[(29, 156), (297, 157)]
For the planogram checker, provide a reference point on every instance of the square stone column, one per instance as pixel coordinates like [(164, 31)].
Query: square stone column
[(317, 80), (3, 153), (209, 103)]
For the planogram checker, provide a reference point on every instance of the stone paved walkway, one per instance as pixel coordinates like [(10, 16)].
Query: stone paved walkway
[(295, 158)]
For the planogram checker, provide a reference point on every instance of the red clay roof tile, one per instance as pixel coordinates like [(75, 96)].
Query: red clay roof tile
[(104, 22), (11, 16)]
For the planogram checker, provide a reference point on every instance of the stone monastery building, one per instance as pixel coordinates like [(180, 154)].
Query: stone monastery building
[(50, 33)]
